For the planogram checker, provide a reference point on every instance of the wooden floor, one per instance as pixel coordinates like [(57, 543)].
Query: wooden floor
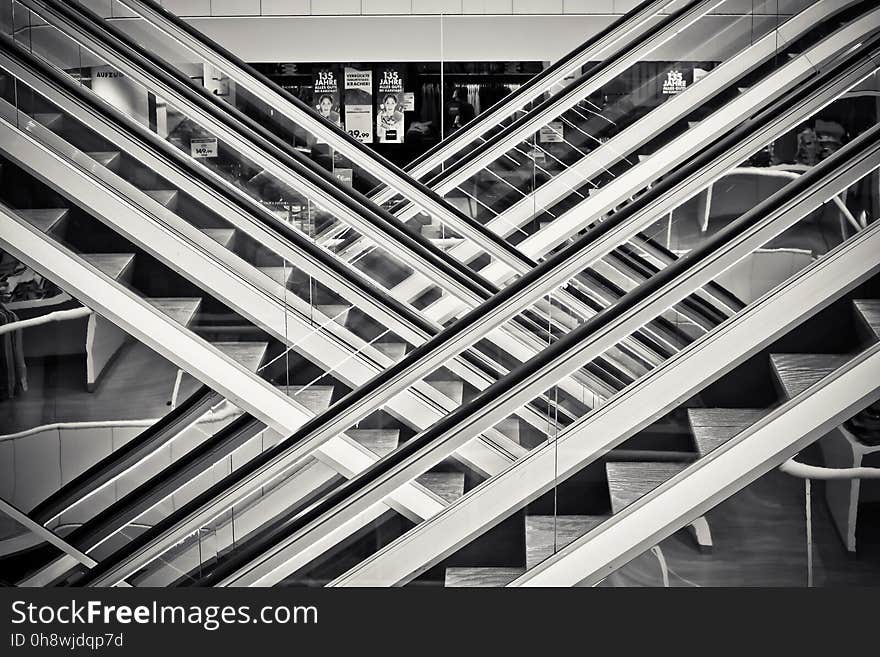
[(137, 385), (760, 541)]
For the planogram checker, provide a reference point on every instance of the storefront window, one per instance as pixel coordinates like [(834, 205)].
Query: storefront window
[(401, 110)]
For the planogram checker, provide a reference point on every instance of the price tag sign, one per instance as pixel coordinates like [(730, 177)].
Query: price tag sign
[(203, 148)]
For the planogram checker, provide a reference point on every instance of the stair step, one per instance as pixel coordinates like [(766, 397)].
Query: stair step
[(643, 157), (223, 236), (248, 354), (115, 265), (48, 119), (180, 309), (797, 372), (378, 441), (315, 398), (164, 197), (280, 275), (630, 480), (394, 350), (337, 312), (107, 159), (448, 486), (44, 218), (452, 389), (869, 310), (510, 427), (546, 535), (712, 427), (481, 577)]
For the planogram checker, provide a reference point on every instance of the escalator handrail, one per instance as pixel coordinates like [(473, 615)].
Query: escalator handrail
[(158, 487), (872, 47), (120, 460)]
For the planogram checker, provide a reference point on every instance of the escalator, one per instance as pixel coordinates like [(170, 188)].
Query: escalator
[(72, 197), (555, 393), (378, 262), (703, 319), (169, 36), (849, 72), (771, 43), (795, 408), (270, 105), (595, 471), (144, 171)]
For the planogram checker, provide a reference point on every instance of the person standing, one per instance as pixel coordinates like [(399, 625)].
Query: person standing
[(459, 112)]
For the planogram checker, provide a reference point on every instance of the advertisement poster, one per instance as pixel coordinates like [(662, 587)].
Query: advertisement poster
[(674, 83), (552, 133), (389, 106), (359, 104), (326, 95)]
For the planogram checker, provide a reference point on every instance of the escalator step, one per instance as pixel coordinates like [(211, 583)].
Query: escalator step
[(315, 398), (107, 159), (797, 372), (166, 197), (280, 275), (248, 354), (545, 535), (510, 427), (481, 577), (448, 486), (378, 441), (49, 119), (394, 350), (336, 312), (869, 311), (45, 219), (180, 309), (452, 389), (630, 480), (223, 236), (115, 265), (712, 427)]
